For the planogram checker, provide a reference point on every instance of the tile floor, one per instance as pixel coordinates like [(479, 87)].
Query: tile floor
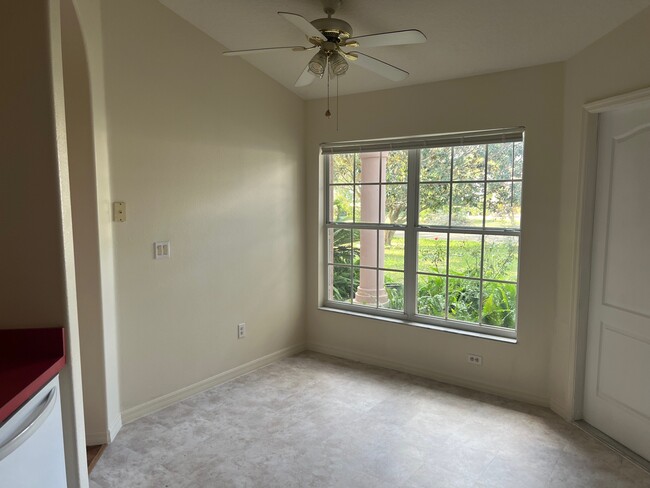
[(317, 421)]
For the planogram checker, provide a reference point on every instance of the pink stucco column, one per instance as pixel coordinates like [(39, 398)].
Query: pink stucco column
[(373, 170)]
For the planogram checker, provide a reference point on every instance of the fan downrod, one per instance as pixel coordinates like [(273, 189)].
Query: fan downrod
[(335, 30), (331, 6)]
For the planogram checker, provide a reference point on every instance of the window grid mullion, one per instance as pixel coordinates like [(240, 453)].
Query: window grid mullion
[(326, 277), (451, 199), (354, 188), (436, 182), (488, 231), (443, 182), (394, 183), (480, 288), (379, 219), (410, 235), (351, 284)]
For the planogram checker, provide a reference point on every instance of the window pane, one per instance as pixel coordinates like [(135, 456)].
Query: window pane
[(501, 258), (499, 162), (342, 168), (467, 204), (340, 246), (367, 204), (519, 159), (396, 167), (499, 304), (503, 205), (432, 294), (368, 167), (465, 255), (434, 204), (435, 164), (365, 293), (432, 252), (393, 198), (464, 299), (341, 203), (393, 249), (469, 163), (394, 288), (365, 247), (340, 283)]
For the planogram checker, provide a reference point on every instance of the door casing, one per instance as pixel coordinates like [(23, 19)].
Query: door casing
[(584, 224)]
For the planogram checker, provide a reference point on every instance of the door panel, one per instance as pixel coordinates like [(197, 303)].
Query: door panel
[(617, 376), (624, 356), (626, 235)]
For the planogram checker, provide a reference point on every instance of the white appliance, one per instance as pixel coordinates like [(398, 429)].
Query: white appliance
[(31, 443)]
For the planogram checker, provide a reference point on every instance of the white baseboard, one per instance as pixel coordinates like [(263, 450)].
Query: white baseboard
[(134, 413), (99, 438), (114, 428), (96, 438), (434, 375), (562, 410)]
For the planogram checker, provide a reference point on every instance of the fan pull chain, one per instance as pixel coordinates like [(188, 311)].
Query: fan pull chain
[(337, 104), (328, 114)]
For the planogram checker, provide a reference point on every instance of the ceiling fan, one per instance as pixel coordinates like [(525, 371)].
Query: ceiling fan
[(332, 37)]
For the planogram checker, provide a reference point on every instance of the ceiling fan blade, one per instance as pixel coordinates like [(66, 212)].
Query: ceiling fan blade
[(303, 24), (265, 49), (306, 78), (397, 38), (386, 70)]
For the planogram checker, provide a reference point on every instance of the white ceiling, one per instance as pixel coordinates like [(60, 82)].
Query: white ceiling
[(465, 37)]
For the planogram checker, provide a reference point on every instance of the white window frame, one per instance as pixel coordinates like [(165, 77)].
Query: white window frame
[(412, 228)]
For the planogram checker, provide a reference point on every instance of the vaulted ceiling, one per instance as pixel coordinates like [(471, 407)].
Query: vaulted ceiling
[(465, 37)]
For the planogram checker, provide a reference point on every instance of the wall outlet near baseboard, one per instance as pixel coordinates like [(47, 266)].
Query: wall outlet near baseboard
[(475, 359), (241, 331)]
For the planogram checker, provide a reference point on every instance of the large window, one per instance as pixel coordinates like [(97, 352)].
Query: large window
[(427, 230)]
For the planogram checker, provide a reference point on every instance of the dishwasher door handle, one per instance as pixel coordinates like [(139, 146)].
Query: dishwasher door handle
[(32, 426)]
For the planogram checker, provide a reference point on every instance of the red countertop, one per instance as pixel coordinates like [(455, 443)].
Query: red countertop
[(29, 359)]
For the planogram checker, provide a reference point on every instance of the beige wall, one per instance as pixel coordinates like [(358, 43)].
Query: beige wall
[(207, 152), (615, 64), (530, 97), (32, 289)]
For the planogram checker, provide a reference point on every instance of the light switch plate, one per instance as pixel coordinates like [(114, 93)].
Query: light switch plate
[(162, 250)]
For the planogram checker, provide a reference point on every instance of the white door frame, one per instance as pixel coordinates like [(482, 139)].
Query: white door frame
[(584, 225)]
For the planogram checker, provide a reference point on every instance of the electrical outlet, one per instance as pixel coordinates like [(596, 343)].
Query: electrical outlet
[(475, 359), (241, 331)]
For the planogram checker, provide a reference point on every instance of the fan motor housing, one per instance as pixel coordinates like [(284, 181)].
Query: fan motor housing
[(333, 28)]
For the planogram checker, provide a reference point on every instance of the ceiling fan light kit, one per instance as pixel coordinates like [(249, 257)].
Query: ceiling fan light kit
[(318, 63), (330, 36), (338, 65)]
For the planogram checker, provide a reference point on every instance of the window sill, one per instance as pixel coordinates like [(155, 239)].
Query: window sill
[(469, 333)]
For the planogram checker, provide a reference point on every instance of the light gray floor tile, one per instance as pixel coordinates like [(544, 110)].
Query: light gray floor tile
[(317, 421)]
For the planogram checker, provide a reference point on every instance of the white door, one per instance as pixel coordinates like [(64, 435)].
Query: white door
[(617, 381)]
